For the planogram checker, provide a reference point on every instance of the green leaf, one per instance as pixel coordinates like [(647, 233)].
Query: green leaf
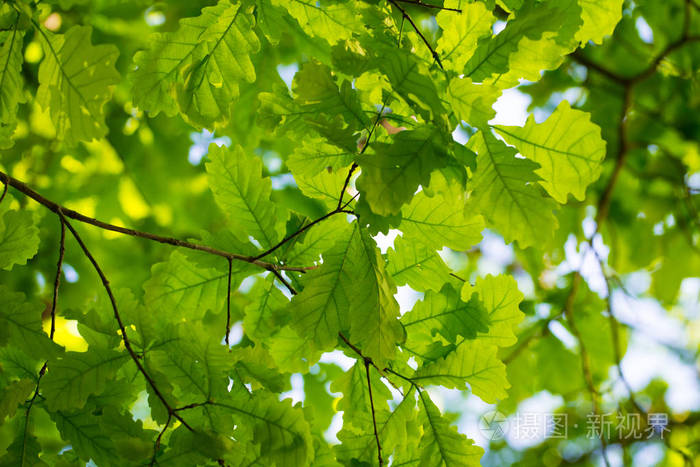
[(349, 291), (19, 237), (410, 79), (280, 429), (392, 175), (473, 362), (24, 451), (11, 82), (14, 394), (503, 192), (182, 290), (195, 362), (599, 19), (84, 431), (243, 195), (396, 429), (461, 31), (438, 221), (355, 402), (198, 67), (267, 311), (416, 265), (327, 19), (374, 311), (316, 241), (443, 314), (20, 325), (501, 298), (73, 377), (75, 80), (537, 27), (325, 186), (316, 92), (441, 445), (472, 102), (568, 147), (315, 156)]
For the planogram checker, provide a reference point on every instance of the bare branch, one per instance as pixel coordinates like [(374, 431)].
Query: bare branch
[(69, 213)]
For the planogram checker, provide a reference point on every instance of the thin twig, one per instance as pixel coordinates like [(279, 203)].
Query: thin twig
[(435, 55), (156, 446), (457, 277), (4, 189), (347, 181), (293, 235), (228, 303), (374, 417), (69, 213), (54, 300), (427, 5), (367, 362), (620, 160), (57, 280), (120, 323), (284, 282)]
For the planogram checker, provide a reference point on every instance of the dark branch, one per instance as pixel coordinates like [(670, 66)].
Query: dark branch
[(69, 213), (284, 282), (4, 189), (291, 236), (374, 417), (420, 34), (579, 57), (57, 280), (427, 5), (367, 361), (120, 323), (156, 446), (228, 304)]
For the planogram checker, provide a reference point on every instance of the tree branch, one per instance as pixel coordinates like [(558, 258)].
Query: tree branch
[(57, 280), (291, 236), (54, 300), (156, 446), (4, 188), (368, 361), (120, 323), (69, 213), (228, 304), (427, 5), (420, 34), (374, 417)]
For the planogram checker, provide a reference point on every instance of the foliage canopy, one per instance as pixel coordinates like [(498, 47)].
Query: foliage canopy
[(155, 309)]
